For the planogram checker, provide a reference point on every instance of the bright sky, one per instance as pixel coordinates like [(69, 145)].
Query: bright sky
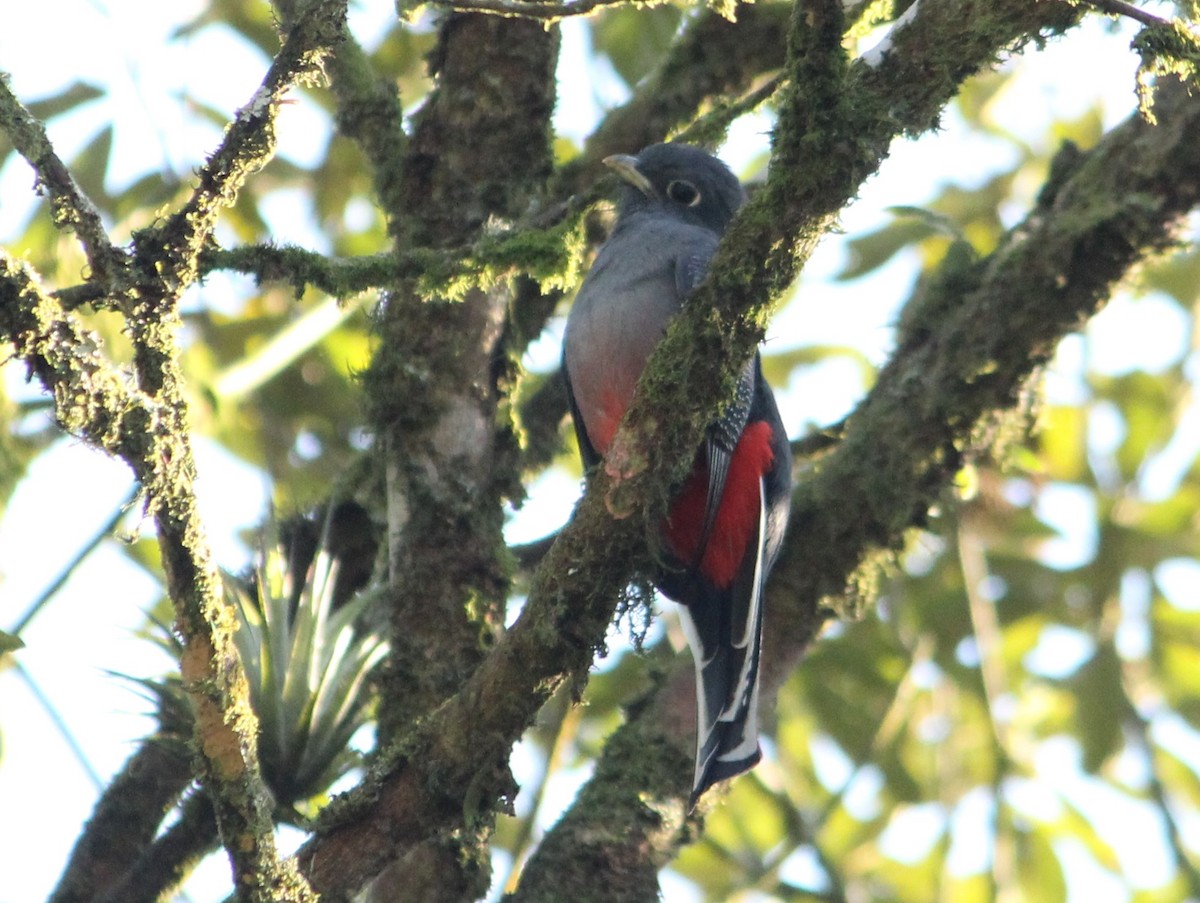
[(87, 631)]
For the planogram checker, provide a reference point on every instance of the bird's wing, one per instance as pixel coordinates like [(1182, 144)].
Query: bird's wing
[(724, 432), (587, 452)]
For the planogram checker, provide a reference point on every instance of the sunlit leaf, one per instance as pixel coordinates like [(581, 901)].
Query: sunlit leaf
[(1039, 870), (1076, 826)]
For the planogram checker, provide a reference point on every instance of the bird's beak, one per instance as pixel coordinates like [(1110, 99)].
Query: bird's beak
[(625, 166)]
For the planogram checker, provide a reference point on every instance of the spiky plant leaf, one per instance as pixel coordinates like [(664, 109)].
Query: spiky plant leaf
[(308, 673), (308, 668)]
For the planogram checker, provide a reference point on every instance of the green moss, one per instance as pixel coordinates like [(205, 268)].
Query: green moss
[(553, 257), (864, 584), (1171, 48)]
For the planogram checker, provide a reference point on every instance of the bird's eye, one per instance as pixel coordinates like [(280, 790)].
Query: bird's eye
[(685, 193)]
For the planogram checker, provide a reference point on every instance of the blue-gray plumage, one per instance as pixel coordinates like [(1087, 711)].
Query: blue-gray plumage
[(726, 523)]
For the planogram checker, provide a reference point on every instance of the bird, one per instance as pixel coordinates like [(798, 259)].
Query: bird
[(725, 524)]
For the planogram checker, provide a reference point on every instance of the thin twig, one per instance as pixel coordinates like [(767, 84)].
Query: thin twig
[(543, 12), (1121, 8), (88, 547), (60, 725)]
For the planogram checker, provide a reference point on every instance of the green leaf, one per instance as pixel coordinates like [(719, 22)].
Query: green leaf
[(1179, 778), (1039, 871), (90, 167), (1149, 405), (10, 642), (975, 97), (778, 365), (871, 251), (75, 95), (938, 223)]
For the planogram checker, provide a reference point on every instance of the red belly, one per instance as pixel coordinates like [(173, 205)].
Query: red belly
[(737, 516)]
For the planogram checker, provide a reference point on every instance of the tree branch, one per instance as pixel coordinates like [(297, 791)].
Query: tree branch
[(161, 456), (90, 401), (369, 112), (341, 277), (1121, 8), (541, 12), (168, 255), (460, 751), (70, 208), (479, 153)]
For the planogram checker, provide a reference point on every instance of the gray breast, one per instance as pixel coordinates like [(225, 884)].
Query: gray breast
[(623, 308)]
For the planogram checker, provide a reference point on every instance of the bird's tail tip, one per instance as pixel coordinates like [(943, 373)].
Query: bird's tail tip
[(718, 767)]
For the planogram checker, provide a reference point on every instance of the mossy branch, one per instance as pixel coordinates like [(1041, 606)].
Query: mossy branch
[(70, 208), (369, 112), (476, 160), (91, 400), (551, 255), (1167, 48), (341, 277)]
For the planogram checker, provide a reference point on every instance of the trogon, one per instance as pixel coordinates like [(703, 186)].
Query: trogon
[(725, 524)]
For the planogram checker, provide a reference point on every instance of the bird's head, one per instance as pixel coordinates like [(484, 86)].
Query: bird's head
[(682, 180)]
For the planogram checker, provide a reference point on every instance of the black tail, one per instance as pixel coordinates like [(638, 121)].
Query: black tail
[(724, 631)]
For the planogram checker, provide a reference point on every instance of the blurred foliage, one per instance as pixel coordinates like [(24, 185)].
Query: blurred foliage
[(953, 744)]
